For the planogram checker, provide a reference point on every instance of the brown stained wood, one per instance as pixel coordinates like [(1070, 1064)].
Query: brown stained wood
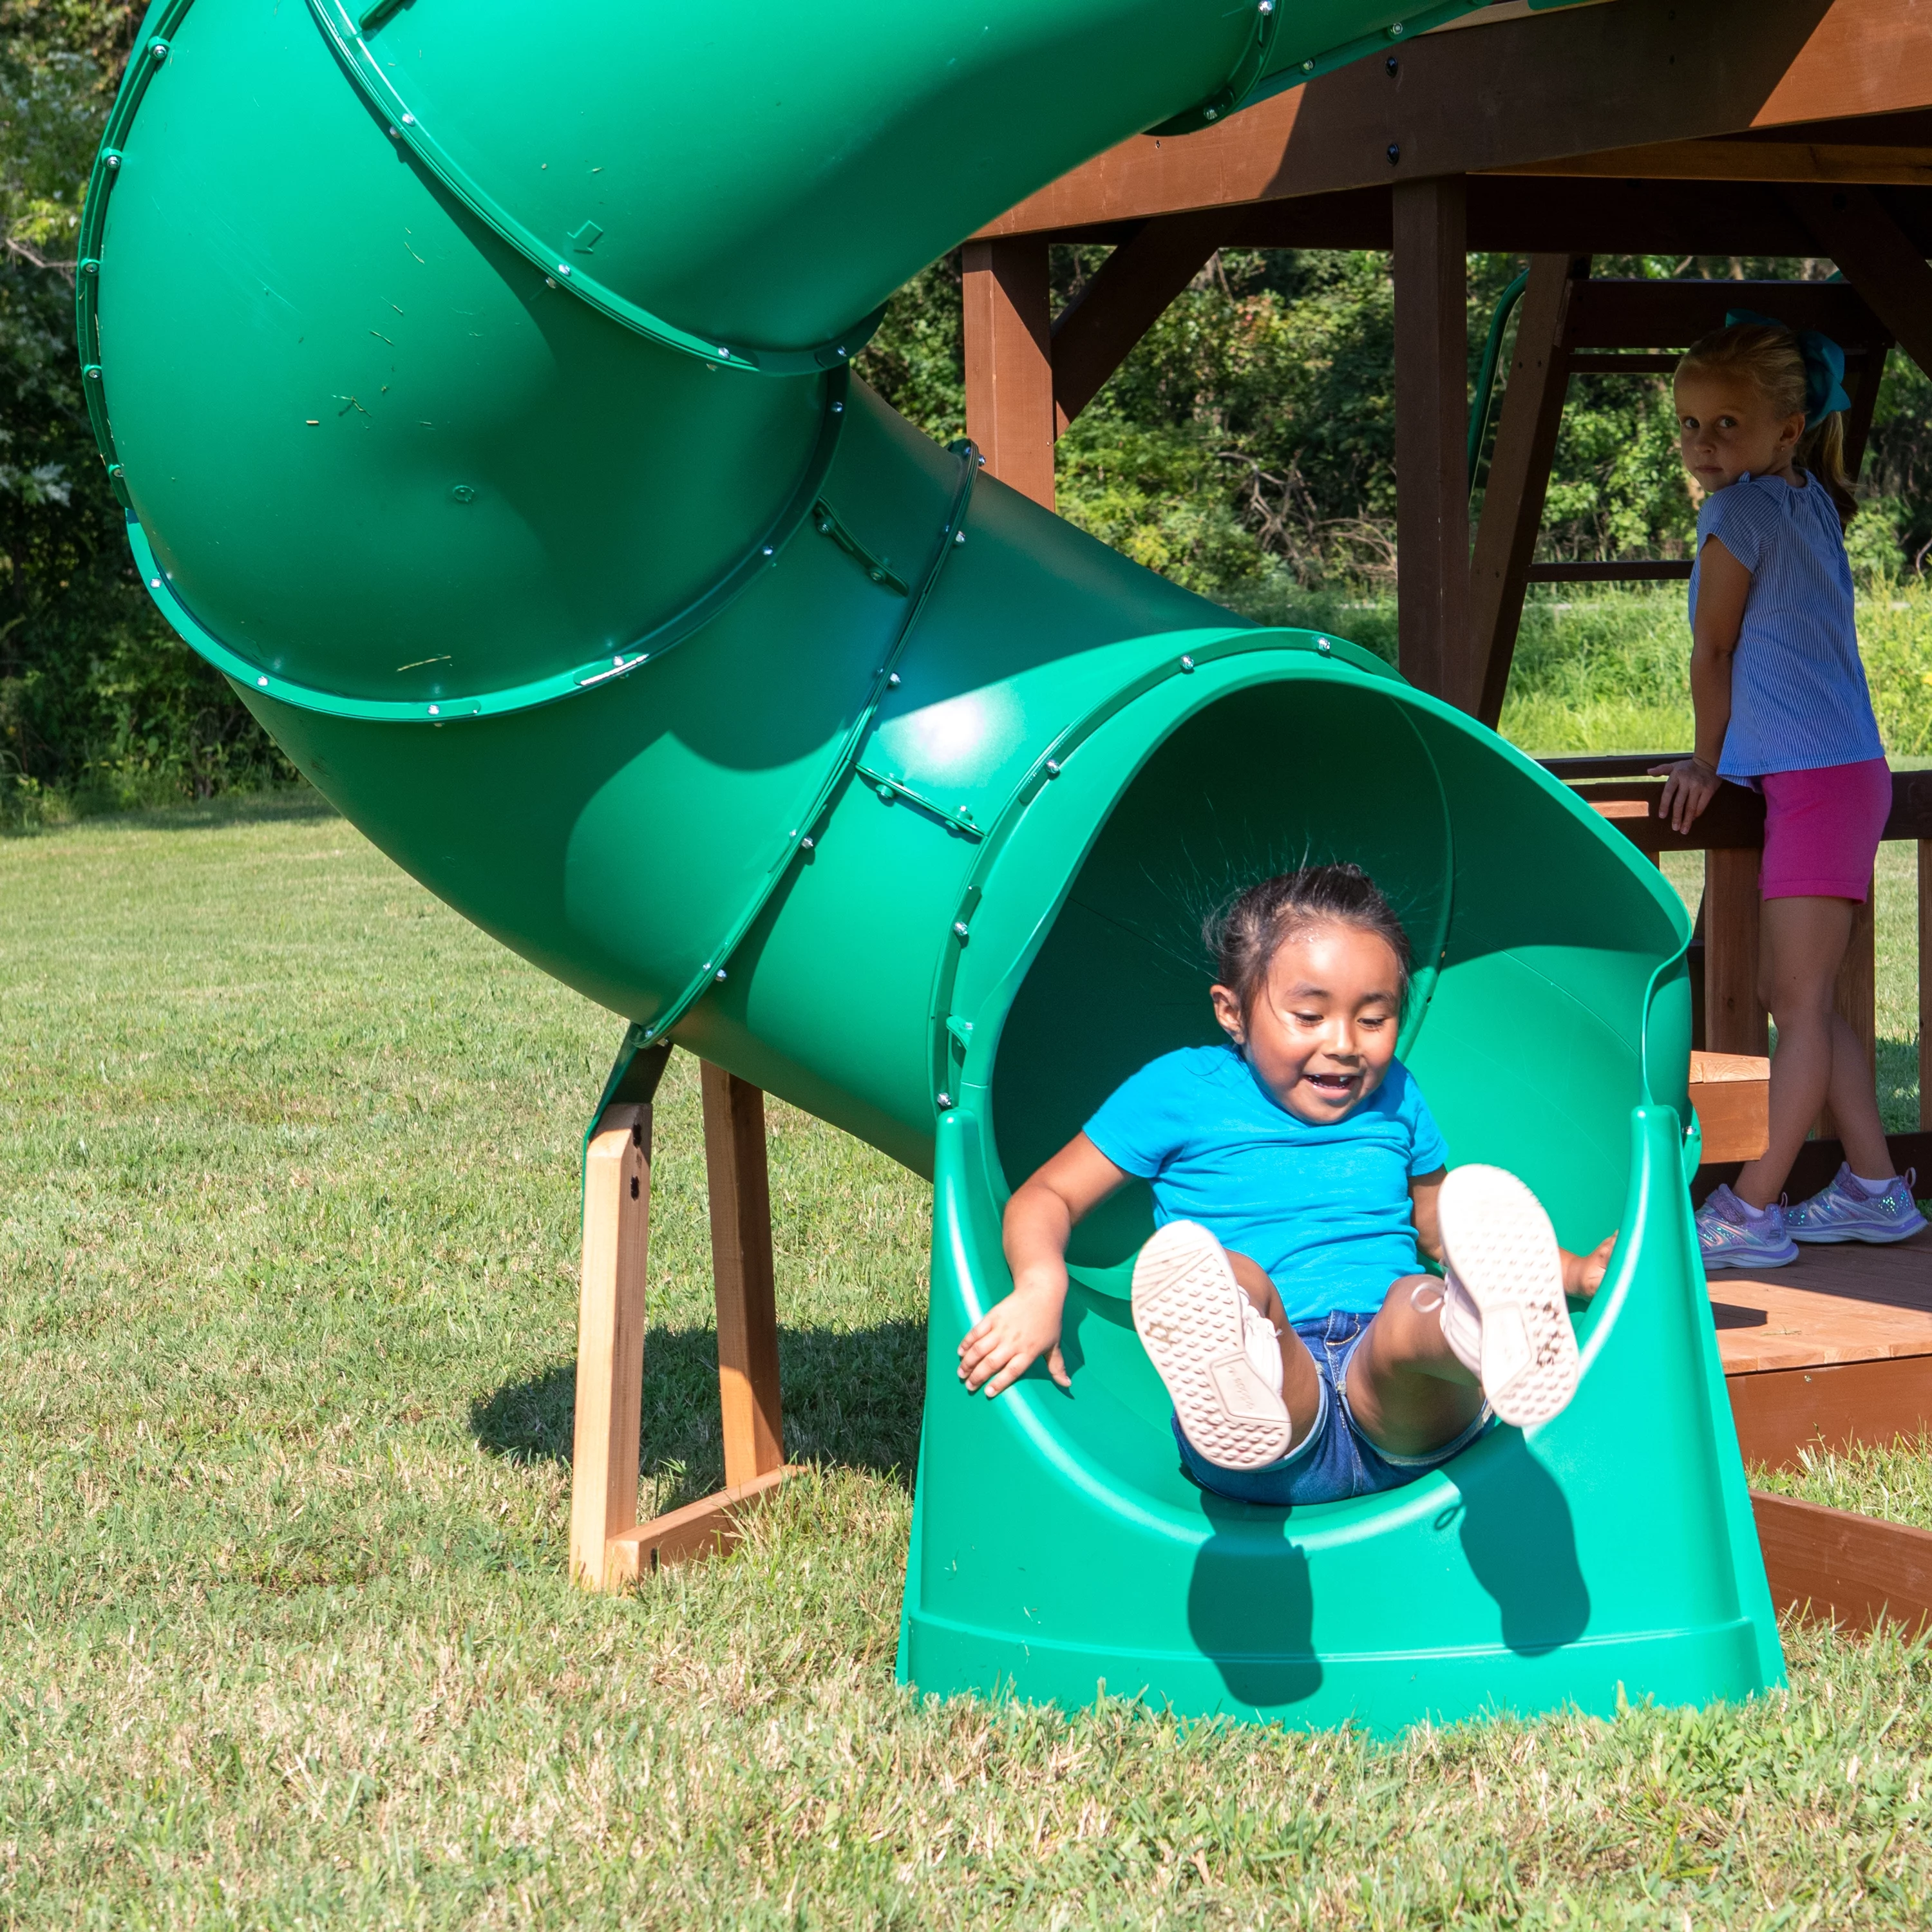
[(1094, 336), (1530, 90), (1006, 323), (1731, 1093), (1878, 259), (1925, 989), (1733, 820), (741, 1263), (610, 1340), (1854, 1571), (1847, 1303), (1432, 423), (1857, 994), (1829, 1407), (1518, 477), (1793, 160), (1633, 312), (706, 1528), (1734, 1021), (1864, 383)]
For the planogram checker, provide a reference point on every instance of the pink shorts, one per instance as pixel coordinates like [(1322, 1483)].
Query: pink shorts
[(1822, 830)]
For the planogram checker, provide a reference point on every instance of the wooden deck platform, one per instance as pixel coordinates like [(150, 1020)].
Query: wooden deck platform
[(1835, 1349)]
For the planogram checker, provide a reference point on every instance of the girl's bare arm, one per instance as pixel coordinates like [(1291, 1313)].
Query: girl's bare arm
[(1723, 586), (1014, 1334)]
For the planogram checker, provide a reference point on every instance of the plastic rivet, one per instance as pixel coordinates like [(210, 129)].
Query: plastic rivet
[(435, 710), (1187, 664), (892, 682), (959, 537), (945, 1101), (960, 928), (263, 682), (768, 550), (409, 120), (1053, 768), (806, 845), (563, 268), (838, 409), (884, 791), (154, 583)]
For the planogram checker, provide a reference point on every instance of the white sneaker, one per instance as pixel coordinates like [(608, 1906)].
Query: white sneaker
[(1504, 1313), (1218, 1354)]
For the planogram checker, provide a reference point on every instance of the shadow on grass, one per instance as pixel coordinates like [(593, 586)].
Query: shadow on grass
[(850, 1396), (278, 804)]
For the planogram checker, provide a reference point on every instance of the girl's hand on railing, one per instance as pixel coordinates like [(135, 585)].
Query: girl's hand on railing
[(1689, 785)]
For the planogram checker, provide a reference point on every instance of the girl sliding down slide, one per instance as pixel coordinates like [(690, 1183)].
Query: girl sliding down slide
[(1782, 706), (1296, 1172)]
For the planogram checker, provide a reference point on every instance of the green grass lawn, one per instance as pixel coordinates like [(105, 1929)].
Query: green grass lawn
[(288, 1171)]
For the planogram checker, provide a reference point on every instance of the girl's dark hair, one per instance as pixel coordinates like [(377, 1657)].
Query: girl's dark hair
[(1246, 934)]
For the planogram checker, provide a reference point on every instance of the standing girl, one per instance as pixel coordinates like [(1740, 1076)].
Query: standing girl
[(1782, 706)]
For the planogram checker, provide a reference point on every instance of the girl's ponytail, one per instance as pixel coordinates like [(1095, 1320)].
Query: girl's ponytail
[(1821, 451)]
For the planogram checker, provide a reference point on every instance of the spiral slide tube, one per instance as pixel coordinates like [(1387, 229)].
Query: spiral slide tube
[(475, 378)]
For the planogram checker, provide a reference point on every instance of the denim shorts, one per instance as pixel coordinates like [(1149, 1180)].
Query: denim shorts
[(1335, 1460)]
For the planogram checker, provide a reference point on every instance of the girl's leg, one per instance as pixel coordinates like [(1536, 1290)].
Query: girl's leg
[(1802, 945), (1301, 1384), (1406, 1389)]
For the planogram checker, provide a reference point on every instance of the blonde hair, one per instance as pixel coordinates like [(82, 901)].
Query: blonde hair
[(1770, 357)]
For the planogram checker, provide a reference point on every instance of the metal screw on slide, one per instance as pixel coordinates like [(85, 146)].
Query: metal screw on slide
[(1187, 664), (945, 1101)]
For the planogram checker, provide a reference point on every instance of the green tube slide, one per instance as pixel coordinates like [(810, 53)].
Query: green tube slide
[(474, 378)]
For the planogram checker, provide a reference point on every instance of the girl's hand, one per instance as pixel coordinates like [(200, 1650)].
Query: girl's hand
[(1689, 786), (1583, 1274), (1012, 1335)]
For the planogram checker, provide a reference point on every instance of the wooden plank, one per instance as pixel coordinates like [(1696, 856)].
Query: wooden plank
[(1854, 1571), (1731, 1093), (1879, 260), (706, 1528), (1849, 1302), (1532, 90), (1734, 1022), (1094, 336), (610, 1340), (1830, 1407), (1734, 819), (1519, 479), (741, 1263), (1629, 312), (1431, 426), (1006, 322), (1790, 159)]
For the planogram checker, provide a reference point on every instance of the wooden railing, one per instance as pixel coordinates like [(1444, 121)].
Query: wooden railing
[(1726, 1017)]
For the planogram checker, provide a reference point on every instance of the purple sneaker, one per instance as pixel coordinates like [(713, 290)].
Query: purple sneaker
[(1731, 1235), (1845, 1211)]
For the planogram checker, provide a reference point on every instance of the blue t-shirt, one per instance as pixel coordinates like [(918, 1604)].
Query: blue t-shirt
[(1798, 699), (1324, 1211)]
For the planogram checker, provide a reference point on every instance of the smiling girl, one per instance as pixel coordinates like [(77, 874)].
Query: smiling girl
[(1296, 1172), (1782, 706)]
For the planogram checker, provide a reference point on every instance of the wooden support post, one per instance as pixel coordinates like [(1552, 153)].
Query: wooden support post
[(1432, 428), (741, 1265), (1864, 401), (1925, 984), (1532, 413), (1093, 336), (1007, 325), (1734, 1021), (1879, 259), (609, 1340), (1856, 996)]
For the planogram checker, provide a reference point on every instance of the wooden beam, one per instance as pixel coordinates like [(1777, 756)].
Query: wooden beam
[(1532, 413), (1094, 336), (1432, 428), (1834, 1406), (1791, 160), (1556, 84), (1879, 260), (1854, 1571), (741, 1264), (1734, 1022), (706, 1527), (1006, 321), (609, 1340), (1634, 313), (1731, 1094)]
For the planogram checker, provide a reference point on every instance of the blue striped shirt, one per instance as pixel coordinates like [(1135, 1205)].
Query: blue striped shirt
[(1798, 696)]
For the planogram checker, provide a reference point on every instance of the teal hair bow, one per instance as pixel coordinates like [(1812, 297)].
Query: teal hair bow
[(1824, 364)]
